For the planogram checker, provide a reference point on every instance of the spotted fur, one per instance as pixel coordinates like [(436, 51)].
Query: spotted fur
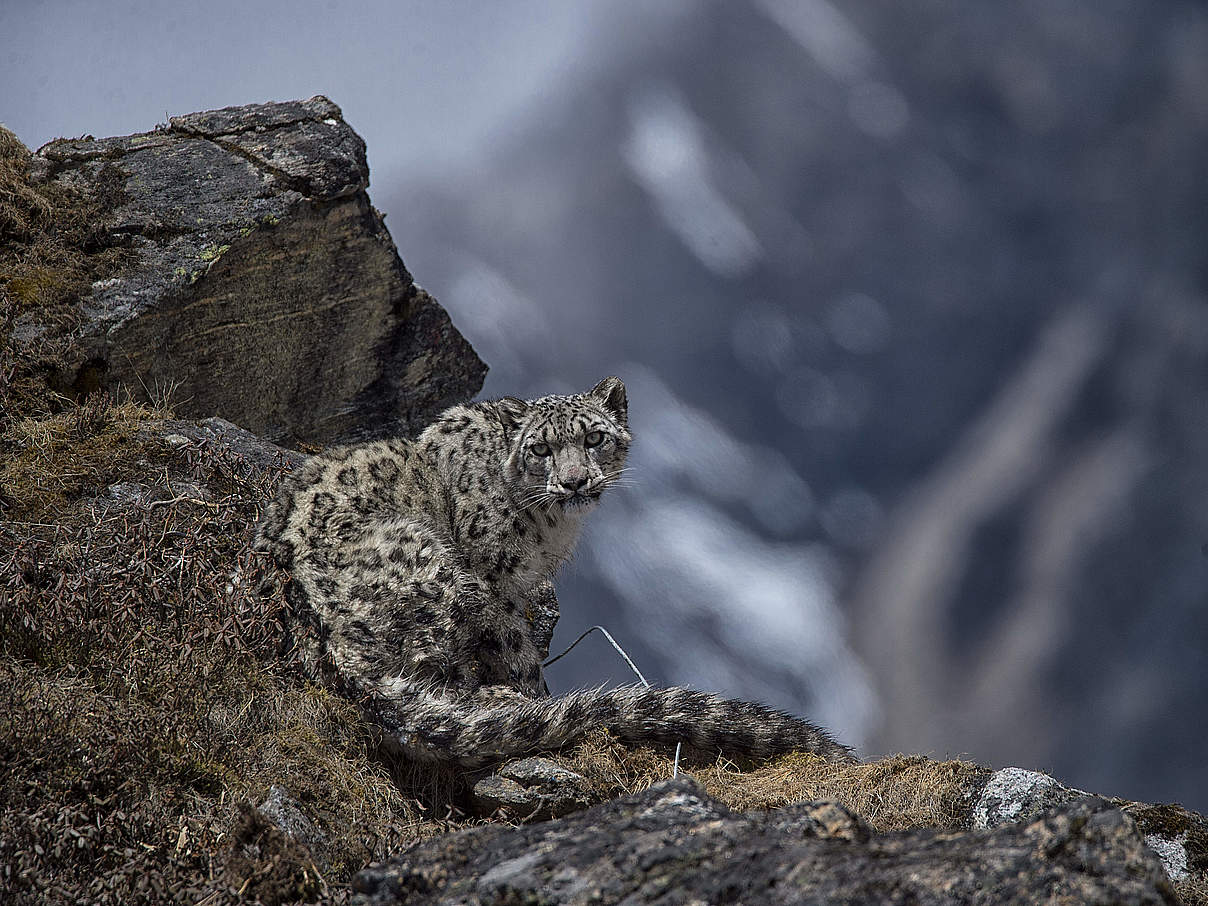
[(423, 568)]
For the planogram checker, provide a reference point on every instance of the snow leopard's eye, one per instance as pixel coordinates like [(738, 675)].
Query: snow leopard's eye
[(540, 449), (593, 439)]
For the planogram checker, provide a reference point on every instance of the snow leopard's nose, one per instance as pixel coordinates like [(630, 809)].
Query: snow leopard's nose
[(573, 478)]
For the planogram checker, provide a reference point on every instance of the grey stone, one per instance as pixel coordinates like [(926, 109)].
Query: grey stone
[(254, 451), (531, 788), (285, 812), (130, 493), (1173, 853), (1178, 836), (152, 487), (545, 615), (824, 820), (265, 286), (1016, 794), (673, 844)]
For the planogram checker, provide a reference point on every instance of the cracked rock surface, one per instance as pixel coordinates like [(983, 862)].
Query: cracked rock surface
[(266, 287), (1178, 836), (673, 844), (531, 788)]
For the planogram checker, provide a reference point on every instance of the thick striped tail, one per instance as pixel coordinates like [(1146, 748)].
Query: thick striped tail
[(488, 727)]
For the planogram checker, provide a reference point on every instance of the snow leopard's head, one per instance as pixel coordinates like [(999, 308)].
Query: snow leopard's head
[(565, 450)]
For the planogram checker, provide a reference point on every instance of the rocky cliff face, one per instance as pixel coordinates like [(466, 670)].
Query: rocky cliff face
[(157, 744), (264, 286)]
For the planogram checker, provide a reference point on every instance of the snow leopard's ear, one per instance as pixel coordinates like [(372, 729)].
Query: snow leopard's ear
[(611, 392), (512, 412)]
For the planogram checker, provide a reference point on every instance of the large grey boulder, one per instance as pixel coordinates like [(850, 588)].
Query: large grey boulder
[(1178, 836), (673, 844), (265, 287)]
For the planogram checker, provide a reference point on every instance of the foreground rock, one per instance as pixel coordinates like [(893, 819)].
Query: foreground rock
[(674, 844), (1178, 836), (265, 287)]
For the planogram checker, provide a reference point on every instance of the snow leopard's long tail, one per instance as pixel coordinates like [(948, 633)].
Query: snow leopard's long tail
[(477, 730)]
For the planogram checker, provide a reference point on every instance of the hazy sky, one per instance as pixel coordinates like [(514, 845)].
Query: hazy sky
[(429, 84)]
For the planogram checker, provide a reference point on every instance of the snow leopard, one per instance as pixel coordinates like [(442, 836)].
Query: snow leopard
[(422, 568)]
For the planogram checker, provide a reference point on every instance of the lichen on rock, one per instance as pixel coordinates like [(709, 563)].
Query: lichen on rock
[(672, 843)]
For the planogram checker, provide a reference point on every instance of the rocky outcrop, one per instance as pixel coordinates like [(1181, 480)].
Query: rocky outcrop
[(672, 843), (961, 796), (264, 288), (1179, 837)]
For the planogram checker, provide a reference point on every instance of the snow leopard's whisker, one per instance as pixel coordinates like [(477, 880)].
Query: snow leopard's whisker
[(532, 497), (546, 501), (536, 500), (619, 479)]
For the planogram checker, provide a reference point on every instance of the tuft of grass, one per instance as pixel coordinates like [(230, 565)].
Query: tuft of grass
[(54, 244), (893, 793), (1192, 892), (54, 459), (23, 209)]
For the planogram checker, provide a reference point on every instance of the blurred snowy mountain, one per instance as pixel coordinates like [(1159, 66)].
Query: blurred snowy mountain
[(918, 297), (911, 300)]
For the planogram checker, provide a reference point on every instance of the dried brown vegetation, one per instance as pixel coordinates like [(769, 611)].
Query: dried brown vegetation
[(148, 696), (894, 793), (57, 458), (53, 246)]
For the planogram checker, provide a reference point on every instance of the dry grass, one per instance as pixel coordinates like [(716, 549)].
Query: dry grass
[(53, 245), (1192, 892), (23, 209), (894, 793), (148, 693), (53, 460)]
